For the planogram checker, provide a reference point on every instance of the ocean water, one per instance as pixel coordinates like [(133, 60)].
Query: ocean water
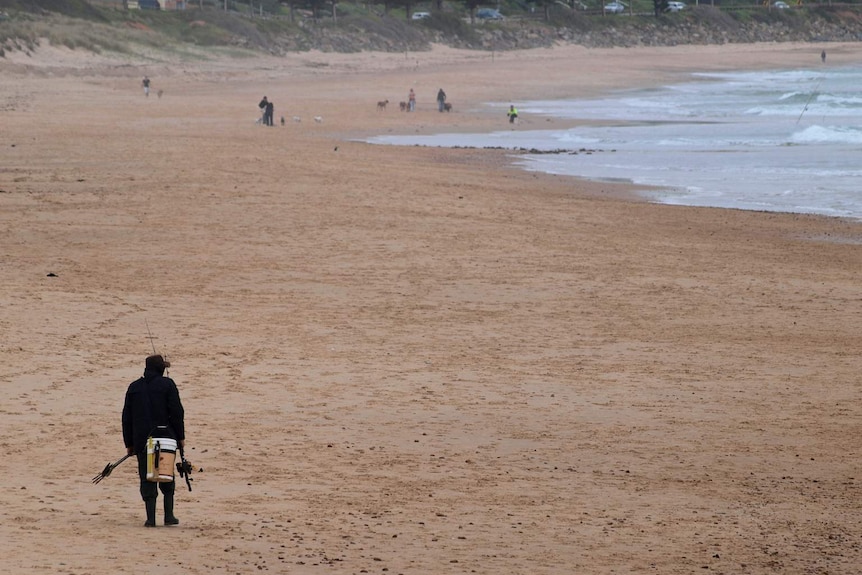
[(779, 140)]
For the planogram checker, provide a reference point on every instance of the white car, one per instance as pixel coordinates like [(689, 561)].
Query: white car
[(781, 5), (675, 6), (489, 14), (420, 15), (615, 7)]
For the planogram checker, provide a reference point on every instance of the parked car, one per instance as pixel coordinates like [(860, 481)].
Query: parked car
[(615, 7), (489, 14), (781, 5), (420, 15), (675, 6), (149, 5)]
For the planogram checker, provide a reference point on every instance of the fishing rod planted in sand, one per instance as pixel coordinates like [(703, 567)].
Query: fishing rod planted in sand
[(810, 97)]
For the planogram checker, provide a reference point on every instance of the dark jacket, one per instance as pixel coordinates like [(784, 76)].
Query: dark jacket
[(152, 401)]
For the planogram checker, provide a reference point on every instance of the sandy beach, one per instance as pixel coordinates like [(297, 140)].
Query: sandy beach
[(409, 360)]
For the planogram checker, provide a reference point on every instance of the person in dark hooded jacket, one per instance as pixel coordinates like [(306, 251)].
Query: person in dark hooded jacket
[(152, 402)]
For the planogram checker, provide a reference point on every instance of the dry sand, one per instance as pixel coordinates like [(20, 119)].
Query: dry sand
[(409, 360)]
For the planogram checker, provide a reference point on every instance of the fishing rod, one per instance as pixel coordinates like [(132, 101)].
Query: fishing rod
[(185, 468), (816, 88), (151, 337)]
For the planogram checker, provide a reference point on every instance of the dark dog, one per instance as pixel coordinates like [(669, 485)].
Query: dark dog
[(402, 106), (447, 106), (381, 105)]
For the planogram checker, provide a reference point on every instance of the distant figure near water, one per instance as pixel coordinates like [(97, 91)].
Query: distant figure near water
[(513, 114), (441, 99), (823, 56)]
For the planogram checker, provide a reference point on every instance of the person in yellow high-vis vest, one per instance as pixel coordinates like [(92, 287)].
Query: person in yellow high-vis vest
[(513, 114)]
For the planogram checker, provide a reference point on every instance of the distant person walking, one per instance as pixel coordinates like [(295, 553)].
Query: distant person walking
[(146, 84), (262, 105), (823, 56), (513, 114), (411, 101), (270, 113), (441, 100)]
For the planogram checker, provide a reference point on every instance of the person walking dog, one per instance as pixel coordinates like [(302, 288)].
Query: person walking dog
[(441, 100)]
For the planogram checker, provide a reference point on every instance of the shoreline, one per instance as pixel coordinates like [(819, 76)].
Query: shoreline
[(409, 360), (523, 149)]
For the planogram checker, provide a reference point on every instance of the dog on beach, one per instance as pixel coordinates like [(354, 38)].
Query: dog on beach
[(447, 106), (381, 105), (318, 119), (402, 106)]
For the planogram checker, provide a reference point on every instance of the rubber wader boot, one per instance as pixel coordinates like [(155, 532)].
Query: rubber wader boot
[(169, 510), (151, 512)]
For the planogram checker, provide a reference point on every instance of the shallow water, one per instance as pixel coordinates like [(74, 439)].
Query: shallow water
[(781, 140)]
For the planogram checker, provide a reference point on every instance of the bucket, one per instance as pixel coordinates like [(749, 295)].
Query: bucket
[(161, 455)]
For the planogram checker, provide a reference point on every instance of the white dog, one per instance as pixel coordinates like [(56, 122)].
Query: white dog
[(318, 119)]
